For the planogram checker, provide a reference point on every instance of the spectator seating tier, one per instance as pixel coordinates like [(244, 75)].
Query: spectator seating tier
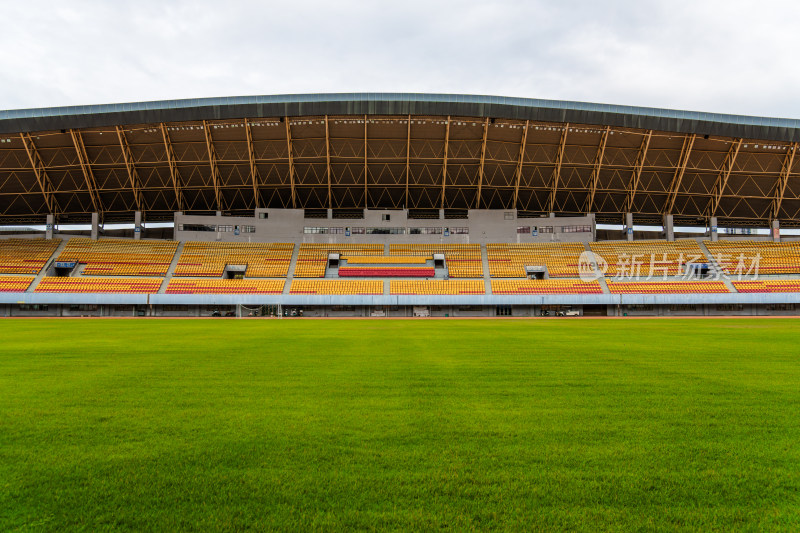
[(648, 258), (120, 257), (386, 272), (388, 259), (336, 287), (15, 283), (225, 286), (667, 287), (438, 287), (95, 284), (312, 258), (510, 260), (25, 256), (463, 260), (777, 285), (209, 259), (737, 256), (545, 286)]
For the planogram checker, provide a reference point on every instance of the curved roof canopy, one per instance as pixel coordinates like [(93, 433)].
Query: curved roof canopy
[(387, 150)]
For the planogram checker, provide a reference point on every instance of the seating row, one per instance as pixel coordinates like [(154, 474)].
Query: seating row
[(105, 285), (386, 272), (120, 257), (25, 256), (15, 283), (545, 286), (224, 286)]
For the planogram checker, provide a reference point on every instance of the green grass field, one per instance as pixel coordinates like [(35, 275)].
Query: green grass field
[(168, 425)]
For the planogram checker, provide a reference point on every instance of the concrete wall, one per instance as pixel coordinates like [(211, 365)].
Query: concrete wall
[(287, 225)]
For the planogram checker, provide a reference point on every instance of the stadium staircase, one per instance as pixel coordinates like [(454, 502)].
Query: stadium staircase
[(42, 273), (171, 269), (600, 277), (487, 279), (292, 264)]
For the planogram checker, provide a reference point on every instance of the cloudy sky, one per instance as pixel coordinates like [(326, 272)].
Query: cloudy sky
[(717, 55)]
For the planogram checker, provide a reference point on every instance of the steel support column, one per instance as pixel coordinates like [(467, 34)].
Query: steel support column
[(783, 180), (594, 181), (88, 175), (686, 153), (557, 171), (252, 160), (291, 161), (482, 161), (637, 170), (212, 161), (444, 162), (174, 174), (133, 175), (724, 174), (40, 171), (520, 161)]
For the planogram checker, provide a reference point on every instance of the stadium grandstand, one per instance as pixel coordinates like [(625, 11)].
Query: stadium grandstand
[(397, 205)]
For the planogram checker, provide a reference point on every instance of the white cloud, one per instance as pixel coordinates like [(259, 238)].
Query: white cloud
[(720, 56)]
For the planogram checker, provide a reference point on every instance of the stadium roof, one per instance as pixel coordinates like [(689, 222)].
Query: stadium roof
[(391, 150)]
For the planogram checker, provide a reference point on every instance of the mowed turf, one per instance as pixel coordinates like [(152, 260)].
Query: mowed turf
[(166, 425)]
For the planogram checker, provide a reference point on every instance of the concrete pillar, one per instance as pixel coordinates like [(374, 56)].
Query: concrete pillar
[(669, 227), (330, 214), (714, 230), (441, 214), (776, 230), (552, 215), (137, 225), (629, 226), (219, 213), (48, 229), (95, 225)]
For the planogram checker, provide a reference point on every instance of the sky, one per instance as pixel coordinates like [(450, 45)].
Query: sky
[(725, 56)]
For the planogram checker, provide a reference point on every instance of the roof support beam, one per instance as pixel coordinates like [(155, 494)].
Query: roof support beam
[(40, 171), (686, 152), (291, 161), (133, 175), (780, 190), (177, 183), (88, 175), (366, 167), (252, 159), (557, 171), (598, 164), (637, 171), (408, 159), (444, 161), (212, 161), (523, 143), (482, 161), (328, 161), (724, 174)]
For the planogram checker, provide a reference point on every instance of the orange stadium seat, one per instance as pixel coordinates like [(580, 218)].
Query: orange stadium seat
[(15, 283), (120, 257), (209, 259), (25, 256), (438, 287), (95, 284), (336, 287), (667, 287), (225, 286), (545, 286)]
